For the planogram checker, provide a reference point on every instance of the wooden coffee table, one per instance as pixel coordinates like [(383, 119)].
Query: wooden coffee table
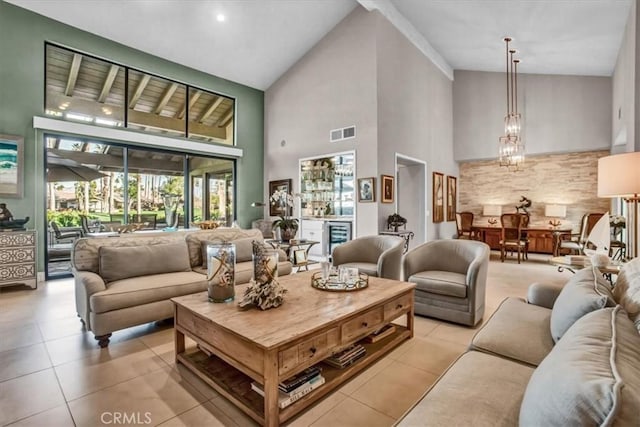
[(238, 346)]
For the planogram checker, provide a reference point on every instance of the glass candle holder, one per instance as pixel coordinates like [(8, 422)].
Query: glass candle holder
[(221, 272)]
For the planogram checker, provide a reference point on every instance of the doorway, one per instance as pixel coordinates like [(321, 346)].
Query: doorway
[(411, 200)]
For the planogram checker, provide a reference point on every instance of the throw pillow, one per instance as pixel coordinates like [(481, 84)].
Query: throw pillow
[(591, 377), (203, 249), (244, 249), (585, 292), (123, 262), (627, 289)]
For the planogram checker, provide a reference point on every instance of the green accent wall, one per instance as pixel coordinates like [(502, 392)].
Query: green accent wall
[(22, 43)]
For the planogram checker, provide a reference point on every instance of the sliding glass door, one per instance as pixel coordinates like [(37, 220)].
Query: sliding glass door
[(95, 187)]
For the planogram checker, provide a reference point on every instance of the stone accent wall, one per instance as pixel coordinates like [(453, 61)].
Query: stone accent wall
[(568, 179)]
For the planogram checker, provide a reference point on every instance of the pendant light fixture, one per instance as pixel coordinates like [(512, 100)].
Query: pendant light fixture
[(511, 147)]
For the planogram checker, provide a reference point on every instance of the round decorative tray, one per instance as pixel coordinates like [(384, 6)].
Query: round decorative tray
[(333, 283)]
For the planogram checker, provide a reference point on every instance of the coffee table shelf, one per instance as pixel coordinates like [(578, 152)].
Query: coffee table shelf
[(236, 385)]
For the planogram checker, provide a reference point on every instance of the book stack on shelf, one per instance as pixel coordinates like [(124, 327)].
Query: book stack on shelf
[(295, 387), (346, 357)]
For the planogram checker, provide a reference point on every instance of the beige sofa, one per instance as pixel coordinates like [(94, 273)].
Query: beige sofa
[(129, 280), (567, 357)]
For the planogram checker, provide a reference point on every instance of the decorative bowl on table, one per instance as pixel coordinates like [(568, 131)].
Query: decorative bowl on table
[(13, 224), (207, 225)]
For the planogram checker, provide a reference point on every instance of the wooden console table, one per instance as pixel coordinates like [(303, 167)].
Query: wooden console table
[(541, 240), (236, 347), (18, 258)]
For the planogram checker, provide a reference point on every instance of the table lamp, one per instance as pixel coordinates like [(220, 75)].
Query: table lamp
[(619, 176), (555, 212), (492, 211)]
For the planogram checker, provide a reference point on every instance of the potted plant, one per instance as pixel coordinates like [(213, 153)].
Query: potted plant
[(287, 224)]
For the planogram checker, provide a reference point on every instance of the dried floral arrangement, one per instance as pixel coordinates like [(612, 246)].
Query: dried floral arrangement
[(264, 290)]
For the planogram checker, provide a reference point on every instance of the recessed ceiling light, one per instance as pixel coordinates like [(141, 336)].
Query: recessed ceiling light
[(220, 17)]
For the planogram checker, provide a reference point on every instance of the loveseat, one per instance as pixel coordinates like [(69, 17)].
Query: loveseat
[(129, 280), (566, 357)]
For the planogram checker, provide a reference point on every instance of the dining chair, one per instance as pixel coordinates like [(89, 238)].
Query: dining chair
[(464, 225), (577, 242), (511, 235)]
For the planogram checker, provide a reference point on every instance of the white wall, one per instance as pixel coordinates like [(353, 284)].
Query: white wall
[(363, 73), (624, 93), (332, 86), (560, 113), (414, 115)]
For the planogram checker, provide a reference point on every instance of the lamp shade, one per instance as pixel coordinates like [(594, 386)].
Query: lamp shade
[(491, 210), (619, 175), (555, 211)]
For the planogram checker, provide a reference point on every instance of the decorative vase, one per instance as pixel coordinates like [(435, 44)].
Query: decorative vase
[(264, 292), (288, 233), (221, 272)]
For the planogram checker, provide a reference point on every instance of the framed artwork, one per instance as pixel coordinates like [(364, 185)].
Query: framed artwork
[(276, 209), (438, 197), (386, 189), (452, 200), (11, 165), (299, 256), (367, 189)]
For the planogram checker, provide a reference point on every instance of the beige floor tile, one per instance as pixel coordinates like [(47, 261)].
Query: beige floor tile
[(58, 417), (206, 414), (394, 390), (239, 418), (157, 396), (23, 360), (316, 411), (29, 395), (60, 328), (365, 376), (72, 348), (20, 336), (351, 413), (432, 355), (105, 369), (162, 343), (397, 352), (454, 333)]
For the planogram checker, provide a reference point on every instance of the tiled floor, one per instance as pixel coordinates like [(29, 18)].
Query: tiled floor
[(53, 374)]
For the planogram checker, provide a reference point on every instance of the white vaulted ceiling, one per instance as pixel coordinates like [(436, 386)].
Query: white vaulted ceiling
[(261, 39)]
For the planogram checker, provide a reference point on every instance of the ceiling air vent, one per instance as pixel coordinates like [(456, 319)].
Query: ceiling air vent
[(342, 134)]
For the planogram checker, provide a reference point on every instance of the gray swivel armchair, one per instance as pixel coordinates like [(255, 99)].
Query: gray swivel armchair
[(450, 278), (378, 256)]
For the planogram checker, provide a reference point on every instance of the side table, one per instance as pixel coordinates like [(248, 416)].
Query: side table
[(18, 258), (291, 248), (407, 235)]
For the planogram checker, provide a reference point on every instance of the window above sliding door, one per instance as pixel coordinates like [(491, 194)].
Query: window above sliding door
[(82, 88)]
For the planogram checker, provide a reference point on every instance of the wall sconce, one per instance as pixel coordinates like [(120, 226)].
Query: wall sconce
[(555, 211), (492, 211)]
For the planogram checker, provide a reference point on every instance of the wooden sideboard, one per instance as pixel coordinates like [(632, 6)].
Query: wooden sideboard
[(18, 258), (541, 240)]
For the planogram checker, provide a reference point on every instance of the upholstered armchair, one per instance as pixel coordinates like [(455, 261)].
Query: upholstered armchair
[(450, 278), (378, 256)]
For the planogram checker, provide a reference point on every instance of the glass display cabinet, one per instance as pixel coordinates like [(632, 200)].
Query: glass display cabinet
[(327, 186)]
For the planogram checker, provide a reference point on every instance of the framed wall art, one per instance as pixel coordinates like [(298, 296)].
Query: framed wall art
[(386, 189), (452, 200), (11, 166), (280, 208), (438, 197), (366, 189)]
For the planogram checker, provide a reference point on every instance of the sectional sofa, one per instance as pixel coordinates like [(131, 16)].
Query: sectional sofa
[(569, 356), (130, 279)]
